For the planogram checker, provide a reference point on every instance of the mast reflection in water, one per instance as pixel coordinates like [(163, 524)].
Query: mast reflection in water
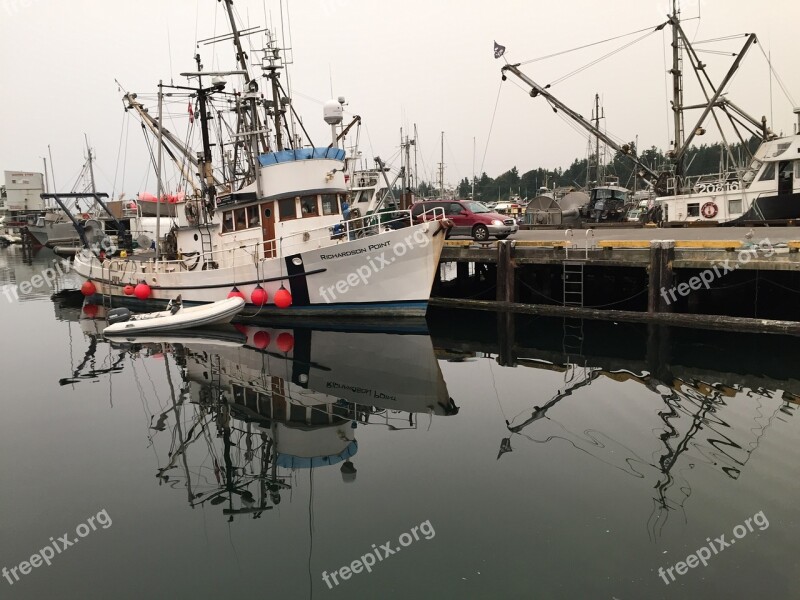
[(253, 405), (617, 448)]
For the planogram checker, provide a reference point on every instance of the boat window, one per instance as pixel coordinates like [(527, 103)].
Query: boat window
[(252, 216), (797, 169), (768, 173), (287, 208), (240, 216), (227, 221), (693, 210), (735, 206), (330, 204), (364, 196), (308, 206)]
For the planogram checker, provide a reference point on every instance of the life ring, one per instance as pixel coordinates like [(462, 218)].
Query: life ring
[(709, 210)]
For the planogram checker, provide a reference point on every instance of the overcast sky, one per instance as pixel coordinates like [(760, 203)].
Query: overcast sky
[(397, 63)]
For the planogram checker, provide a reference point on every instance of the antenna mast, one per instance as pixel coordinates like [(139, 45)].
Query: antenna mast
[(677, 94)]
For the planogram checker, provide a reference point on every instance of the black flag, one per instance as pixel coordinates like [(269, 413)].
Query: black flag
[(499, 50)]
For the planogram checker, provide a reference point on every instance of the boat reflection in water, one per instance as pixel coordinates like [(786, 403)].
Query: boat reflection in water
[(686, 401), (255, 404)]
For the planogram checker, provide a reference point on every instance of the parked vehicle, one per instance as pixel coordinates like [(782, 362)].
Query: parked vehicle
[(508, 208), (469, 218)]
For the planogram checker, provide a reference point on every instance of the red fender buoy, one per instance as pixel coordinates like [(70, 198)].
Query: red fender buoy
[(283, 298), (142, 291), (88, 288)]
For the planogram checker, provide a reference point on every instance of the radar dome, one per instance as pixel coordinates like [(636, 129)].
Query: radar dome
[(333, 112)]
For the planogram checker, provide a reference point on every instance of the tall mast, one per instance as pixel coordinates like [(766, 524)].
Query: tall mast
[(441, 172), (91, 167), (597, 116), (677, 93), (241, 57), (160, 158), (473, 168)]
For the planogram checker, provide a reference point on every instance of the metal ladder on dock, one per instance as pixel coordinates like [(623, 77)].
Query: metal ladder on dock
[(572, 340), (573, 283)]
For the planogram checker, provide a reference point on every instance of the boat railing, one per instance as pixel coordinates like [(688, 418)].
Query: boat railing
[(254, 251)]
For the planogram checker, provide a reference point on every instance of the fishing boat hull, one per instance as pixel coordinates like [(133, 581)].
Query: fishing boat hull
[(388, 274)]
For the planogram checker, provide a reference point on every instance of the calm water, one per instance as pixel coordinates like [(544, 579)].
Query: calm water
[(246, 464)]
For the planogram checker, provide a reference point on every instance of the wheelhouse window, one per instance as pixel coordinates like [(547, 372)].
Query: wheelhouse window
[(363, 196), (309, 206), (252, 216), (227, 221), (693, 210), (735, 206), (288, 208), (330, 204), (768, 173), (240, 218)]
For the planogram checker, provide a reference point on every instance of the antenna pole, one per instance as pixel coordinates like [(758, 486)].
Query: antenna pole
[(473, 167), (441, 172), (160, 159), (91, 167), (677, 95)]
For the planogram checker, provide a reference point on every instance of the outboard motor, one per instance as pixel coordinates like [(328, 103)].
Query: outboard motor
[(118, 315)]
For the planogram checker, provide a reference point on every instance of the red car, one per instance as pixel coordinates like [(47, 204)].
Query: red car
[(469, 218)]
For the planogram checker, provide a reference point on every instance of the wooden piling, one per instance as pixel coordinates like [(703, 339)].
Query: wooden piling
[(462, 275), (506, 323), (661, 276), (506, 272)]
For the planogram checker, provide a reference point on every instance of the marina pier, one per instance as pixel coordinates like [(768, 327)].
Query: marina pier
[(725, 278)]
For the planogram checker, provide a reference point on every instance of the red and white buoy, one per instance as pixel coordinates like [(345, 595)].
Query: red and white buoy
[(235, 293)]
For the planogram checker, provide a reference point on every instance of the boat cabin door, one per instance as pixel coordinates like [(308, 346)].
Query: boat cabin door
[(785, 177), (268, 229)]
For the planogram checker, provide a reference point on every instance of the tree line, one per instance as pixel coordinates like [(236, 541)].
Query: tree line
[(700, 160)]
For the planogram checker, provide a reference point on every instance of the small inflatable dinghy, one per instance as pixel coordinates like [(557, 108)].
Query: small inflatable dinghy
[(176, 317)]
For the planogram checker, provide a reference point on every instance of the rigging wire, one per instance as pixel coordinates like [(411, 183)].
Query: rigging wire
[(602, 58), (491, 125), (777, 77), (650, 29)]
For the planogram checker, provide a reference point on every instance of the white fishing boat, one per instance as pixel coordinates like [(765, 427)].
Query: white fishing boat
[(267, 225), (762, 188), (175, 318)]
